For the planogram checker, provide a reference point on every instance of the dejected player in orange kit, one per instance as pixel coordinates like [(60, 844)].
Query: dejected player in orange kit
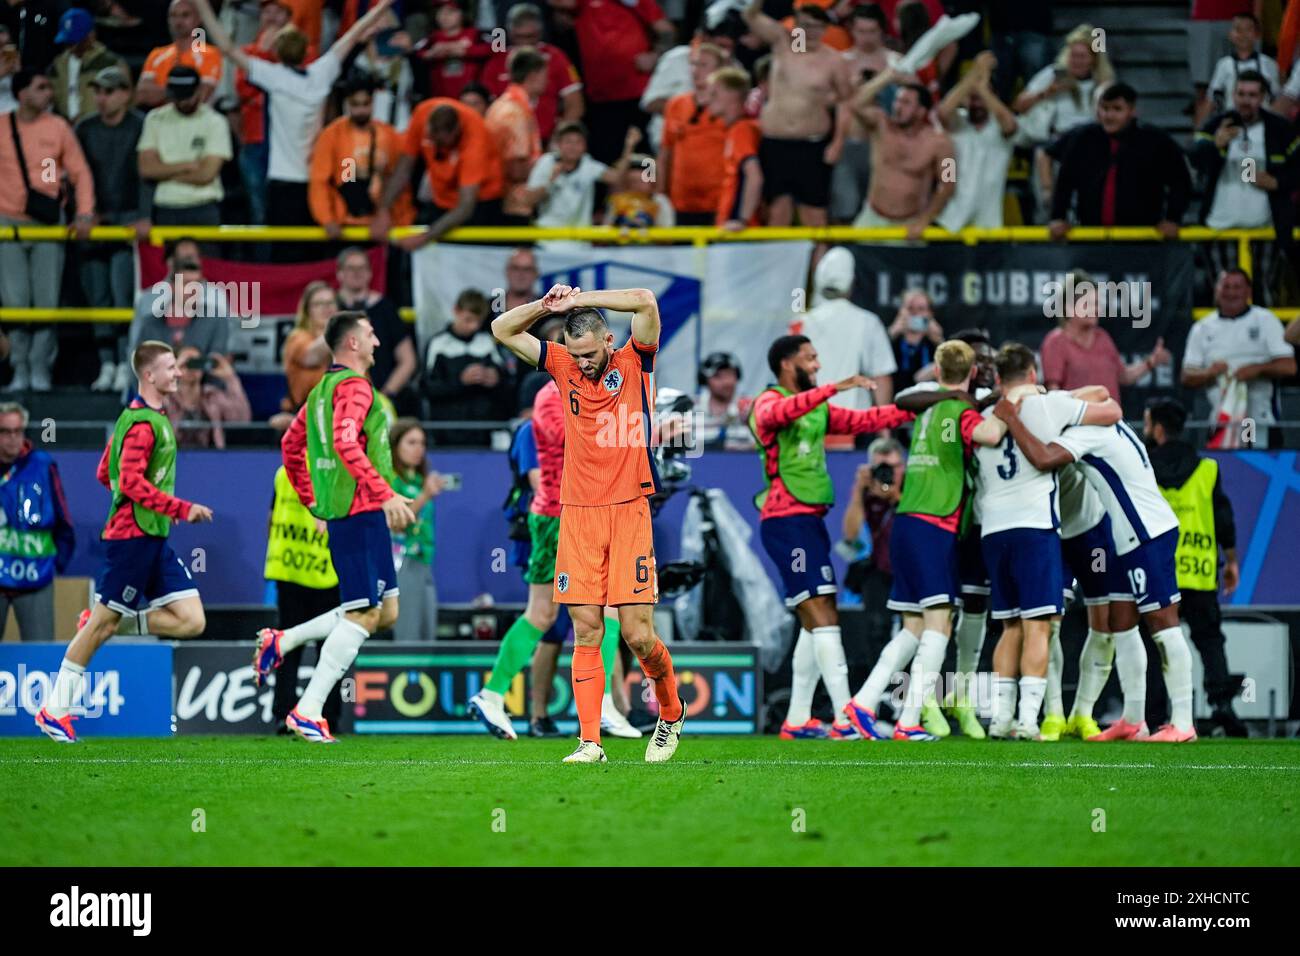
[(606, 551)]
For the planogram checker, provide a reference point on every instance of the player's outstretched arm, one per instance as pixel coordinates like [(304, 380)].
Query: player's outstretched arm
[(1043, 457), (918, 400), (1091, 393), (1102, 413), (640, 302), (859, 421)]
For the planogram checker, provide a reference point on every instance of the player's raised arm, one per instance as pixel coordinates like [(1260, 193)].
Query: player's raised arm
[(511, 328), (640, 302)]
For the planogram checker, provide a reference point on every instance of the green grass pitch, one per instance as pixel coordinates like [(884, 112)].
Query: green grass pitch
[(738, 800)]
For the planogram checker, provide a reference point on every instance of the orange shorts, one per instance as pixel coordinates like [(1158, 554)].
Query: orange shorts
[(606, 555)]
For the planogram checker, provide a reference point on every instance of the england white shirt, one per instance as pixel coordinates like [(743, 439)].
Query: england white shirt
[(570, 200), (1081, 509), (1253, 337), (1116, 465), (1012, 493), (1237, 203), (295, 100)]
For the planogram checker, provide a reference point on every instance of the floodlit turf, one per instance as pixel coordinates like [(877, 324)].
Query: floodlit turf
[(750, 800)]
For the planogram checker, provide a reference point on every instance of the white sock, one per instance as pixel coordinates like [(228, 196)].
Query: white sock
[(66, 687), (803, 683), (336, 656), (925, 672), (829, 648), (894, 659), (1055, 664), (970, 641), (322, 625), (1031, 699), (1094, 670), (1131, 661), (1176, 664), (1004, 701)]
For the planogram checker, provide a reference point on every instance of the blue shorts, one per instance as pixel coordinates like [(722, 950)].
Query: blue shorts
[(801, 550), (142, 572), (362, 551), (560, 629), (924, 558), (1090, 557), (1025, 572), (1152, 572), (970, 563)]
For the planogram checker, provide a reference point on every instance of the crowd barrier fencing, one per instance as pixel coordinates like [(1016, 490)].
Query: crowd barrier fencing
[(698, 236)]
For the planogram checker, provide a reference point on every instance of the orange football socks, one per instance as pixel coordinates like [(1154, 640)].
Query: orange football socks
[(588, 677), (658, 666)]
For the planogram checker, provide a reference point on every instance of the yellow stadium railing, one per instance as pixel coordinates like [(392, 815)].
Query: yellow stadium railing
[(699, 236)]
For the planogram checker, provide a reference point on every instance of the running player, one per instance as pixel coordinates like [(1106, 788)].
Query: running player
[(1146, 537), (540, 614), (338, 457), (1018, 505), (790, 421), (140, 568), (605, 554), (923, 542)]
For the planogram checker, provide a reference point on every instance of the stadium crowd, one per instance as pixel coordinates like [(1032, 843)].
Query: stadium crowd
[(443, 113)]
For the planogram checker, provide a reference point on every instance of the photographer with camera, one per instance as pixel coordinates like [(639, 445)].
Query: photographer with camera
[(721, 415), (209, 394)]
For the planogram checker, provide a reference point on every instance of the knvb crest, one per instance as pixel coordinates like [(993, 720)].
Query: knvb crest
[(562, 582), (613, 380)]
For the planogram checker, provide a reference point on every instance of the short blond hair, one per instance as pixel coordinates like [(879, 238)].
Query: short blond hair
[(146, 352), (954, 359), (731, 78)]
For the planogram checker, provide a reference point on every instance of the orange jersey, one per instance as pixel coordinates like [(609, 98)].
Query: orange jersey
[(693, 138), (607, 455), (741, 143), (474, 161), (158, 64)]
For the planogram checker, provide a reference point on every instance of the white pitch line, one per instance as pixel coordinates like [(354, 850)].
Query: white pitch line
[(463, 762)]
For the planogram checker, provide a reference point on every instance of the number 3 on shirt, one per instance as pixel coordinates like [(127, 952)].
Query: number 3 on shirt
[(1008, 471)]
